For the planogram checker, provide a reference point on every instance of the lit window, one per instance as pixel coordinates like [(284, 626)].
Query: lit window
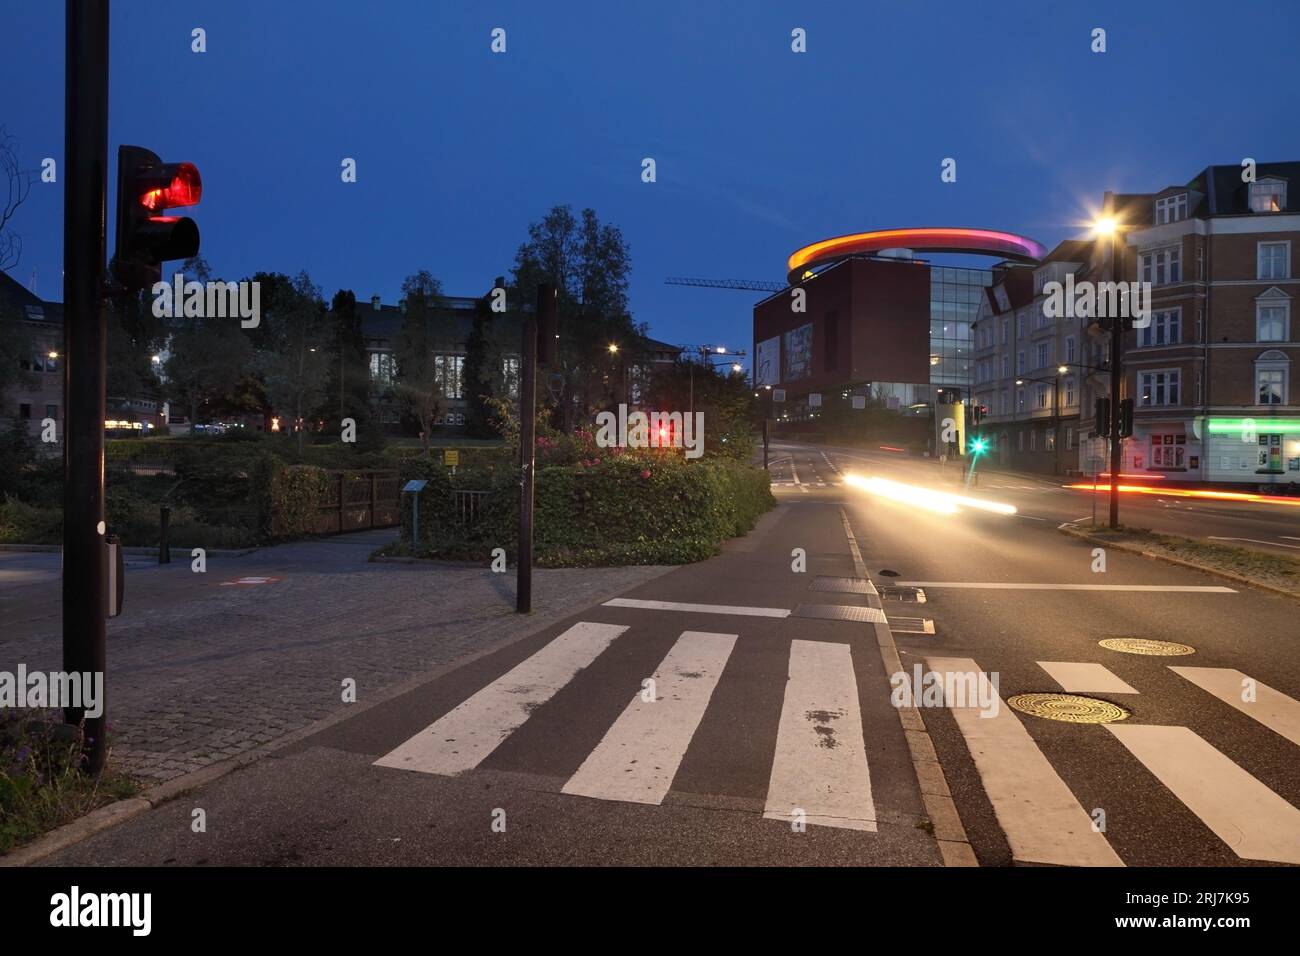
[(1040, 397), (1268, 196)]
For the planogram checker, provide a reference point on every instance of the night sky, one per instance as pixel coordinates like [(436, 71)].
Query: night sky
[(759, 150)]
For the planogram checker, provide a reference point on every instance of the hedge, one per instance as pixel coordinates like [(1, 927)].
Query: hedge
[(629, 509)]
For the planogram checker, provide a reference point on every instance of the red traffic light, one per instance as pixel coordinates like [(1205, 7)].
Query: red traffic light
[(183, 187)]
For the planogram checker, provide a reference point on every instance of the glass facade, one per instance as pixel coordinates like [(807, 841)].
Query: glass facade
[(955, 297)]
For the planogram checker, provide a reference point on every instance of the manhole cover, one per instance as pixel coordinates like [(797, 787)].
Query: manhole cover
[(1140, 645), (1071, 708)]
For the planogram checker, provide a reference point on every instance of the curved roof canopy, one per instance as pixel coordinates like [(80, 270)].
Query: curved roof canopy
[(989, 242)]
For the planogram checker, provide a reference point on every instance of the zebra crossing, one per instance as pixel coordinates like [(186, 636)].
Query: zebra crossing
[(819, 768)]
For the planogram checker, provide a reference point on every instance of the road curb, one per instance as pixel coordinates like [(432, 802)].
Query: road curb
[(113, 814), (947, 829), (1074, 531), (133, 549)]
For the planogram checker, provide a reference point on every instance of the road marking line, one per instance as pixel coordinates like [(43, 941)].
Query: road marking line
[(1082, 678), (1271, 544), (1042, 820), (461, 739), (1272, 708), (820, 765), (1028, 517), (996, 585), (699, 608), (638, 757), (1254, 821), (1289, 537)]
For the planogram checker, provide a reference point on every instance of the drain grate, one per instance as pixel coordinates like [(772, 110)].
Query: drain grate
[(841, 612), (911, 625), (842, 585), (1071, 708), (1139, 645), (904, 593)]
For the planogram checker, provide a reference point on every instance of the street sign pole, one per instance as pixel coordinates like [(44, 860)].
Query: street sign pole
[(527, 441), (1116, 374), (85, 572)]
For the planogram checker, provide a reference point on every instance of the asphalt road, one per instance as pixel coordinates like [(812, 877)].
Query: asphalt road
[(701, 716)]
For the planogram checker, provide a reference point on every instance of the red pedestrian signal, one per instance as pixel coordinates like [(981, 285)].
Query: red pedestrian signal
[(146, 186)]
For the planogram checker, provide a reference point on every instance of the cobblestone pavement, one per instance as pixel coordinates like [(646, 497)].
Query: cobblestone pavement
[(200, 672)]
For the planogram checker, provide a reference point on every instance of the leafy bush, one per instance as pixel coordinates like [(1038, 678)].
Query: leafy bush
[(644, 507), (296, 495)]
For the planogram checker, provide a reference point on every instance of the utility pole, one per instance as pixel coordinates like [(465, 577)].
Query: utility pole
[(538, 346), (1116, 374), (85, 573)]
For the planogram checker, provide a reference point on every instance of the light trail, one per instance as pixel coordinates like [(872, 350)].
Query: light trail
[(1196, 493), (941, 502)]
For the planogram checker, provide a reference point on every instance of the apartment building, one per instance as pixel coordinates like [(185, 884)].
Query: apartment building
[(1030, 371)]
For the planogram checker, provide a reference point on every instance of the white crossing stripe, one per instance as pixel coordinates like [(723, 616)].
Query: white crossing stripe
[(1272, 708), (1042, 820), (699, 608), (1006, 585), (1081, 678), (639, 755), (1254, 821), (462, 738), (820, 766)]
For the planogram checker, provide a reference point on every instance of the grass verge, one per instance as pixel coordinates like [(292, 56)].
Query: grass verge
[(41, 784), (1277, 572)]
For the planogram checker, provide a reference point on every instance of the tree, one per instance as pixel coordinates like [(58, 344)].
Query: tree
[(420, 373), (207, 357), (349, 387), (19, 185), (480, 377), (589, 264), (135, 336), (724, 397), (295, 364)]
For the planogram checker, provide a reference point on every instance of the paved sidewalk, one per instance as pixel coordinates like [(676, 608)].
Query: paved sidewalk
[(201, 671)]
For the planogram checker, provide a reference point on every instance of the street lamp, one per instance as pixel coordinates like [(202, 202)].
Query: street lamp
[(1109, 227)]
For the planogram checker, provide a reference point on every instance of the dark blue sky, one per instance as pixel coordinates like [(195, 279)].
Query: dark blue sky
[(759, 150)]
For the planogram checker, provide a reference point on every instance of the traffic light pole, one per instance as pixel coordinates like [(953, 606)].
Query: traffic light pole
[(84, 346), (1116, 376)]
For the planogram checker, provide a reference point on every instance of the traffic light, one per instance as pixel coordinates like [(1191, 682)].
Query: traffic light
[(1102, 415), (146, 186), (1125, 417), (979, 446), (977, 413), (547, 324)]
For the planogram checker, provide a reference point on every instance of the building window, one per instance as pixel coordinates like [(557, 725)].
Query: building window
[(1049, 440), (1040, 397), (1020, 326), (1272, 371), (1020, 399), (1020, 363), (1268, 196), (510, 375), (1168, 451), (1033, 439), (1069, 350), (1069, 439), (381, 367), (448, 371), (1020, 440), (1069, 392), (1159, 388), (1271, 322), (1163, 266), (1171, 209), (1274, 260), (25, 411), (52, 411), (1165, 328), (52, 362), (1044, 355), (1006, 365), (1003, 401)]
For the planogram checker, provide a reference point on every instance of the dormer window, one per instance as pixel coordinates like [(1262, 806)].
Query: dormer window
[(1171, 209), (1268, 195)]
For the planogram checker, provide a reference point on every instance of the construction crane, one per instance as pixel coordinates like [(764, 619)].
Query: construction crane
[(740, 285)]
